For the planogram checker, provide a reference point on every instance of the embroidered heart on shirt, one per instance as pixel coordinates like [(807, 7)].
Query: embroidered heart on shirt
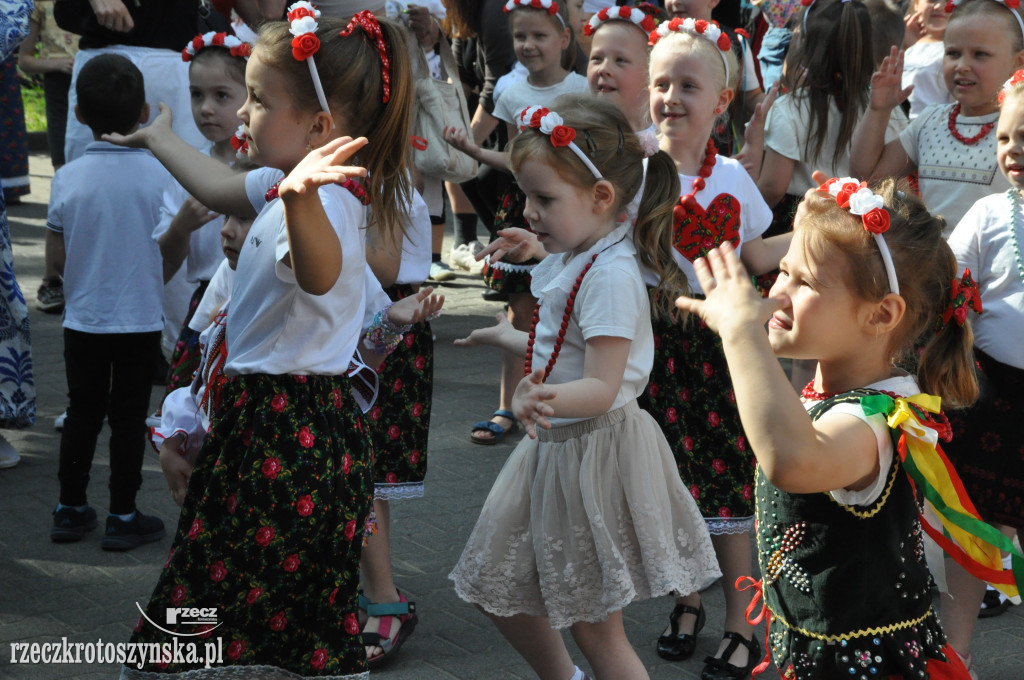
[(697, 230)]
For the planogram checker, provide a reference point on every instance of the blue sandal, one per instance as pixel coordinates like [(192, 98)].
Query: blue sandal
[(498, 431)]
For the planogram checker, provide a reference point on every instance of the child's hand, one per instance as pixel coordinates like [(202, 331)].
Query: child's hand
[(141, 138), (323, 166), (887, 90), (423, 306), (192, 215), (176, 467), (754, 132), (915, 26), (731, 302), (457, 137), (514, 245), (492, 335), (529, 403)]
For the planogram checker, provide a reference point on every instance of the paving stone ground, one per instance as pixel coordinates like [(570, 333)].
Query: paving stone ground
[(76, 591)]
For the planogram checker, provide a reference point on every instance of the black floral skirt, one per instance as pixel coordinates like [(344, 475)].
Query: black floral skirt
[(187, 354), (509, 277), (400, 420), (690, 395), (271, 531)]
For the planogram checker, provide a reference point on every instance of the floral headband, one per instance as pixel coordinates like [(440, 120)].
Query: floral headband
[(551, 124), (632, 14), (550, 5), (240, 144), (855, 196), (1016, 79), (236, 47), (963, 295), (302, 16), (705, 29), (1011, 5)]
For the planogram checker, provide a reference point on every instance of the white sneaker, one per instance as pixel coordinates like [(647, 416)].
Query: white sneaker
[(464, 257), (8, 455), (439, 271), (58, 422)]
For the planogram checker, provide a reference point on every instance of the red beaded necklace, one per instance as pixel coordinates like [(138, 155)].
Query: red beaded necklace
[(528, 365), (985, 129), (688, 201), (354, 187), (808, 393)]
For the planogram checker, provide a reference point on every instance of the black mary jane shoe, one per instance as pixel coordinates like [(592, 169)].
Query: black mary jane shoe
[(720, 669), (678, 646)]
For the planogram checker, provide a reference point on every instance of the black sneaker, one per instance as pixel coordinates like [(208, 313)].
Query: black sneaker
[(70, 525), (50, 296), (994, 604), (139, 529)]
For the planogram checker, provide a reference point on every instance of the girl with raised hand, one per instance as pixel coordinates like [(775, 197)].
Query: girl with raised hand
[(588, 513), (840, 544), (273, 537), (951, 146)]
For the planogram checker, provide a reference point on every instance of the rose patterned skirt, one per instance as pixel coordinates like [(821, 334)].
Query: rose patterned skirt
[(271, 534), (400, 420), (690, 396), (509, 277)]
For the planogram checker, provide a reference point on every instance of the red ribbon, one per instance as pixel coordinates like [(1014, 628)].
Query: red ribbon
[(366, 21), (746, 583)]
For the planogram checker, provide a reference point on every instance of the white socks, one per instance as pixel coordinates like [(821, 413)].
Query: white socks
[(578, 675)]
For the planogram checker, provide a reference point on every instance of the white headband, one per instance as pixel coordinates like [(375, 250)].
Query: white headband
[(551, 124), (549, 5)]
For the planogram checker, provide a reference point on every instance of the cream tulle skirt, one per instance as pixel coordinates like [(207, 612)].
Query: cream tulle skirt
[(584, 520)]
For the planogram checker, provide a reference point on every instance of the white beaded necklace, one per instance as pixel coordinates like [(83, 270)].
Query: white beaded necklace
[(1014, 197)]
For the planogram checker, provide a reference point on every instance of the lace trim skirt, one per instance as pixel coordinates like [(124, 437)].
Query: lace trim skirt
[(584, 520)]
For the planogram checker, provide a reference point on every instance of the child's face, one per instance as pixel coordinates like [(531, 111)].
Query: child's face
[(685, 94), (560, 213), (232, 236), (216, 97), (979, 59), (934, 17), (690, 9), (820, 316), (1010, 140), (617, 69), (537, 42), (275, 129)]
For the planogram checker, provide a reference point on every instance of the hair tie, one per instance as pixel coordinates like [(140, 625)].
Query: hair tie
[(368, 22), (551, 124), (302, 18), (708, 30), (549, 5), (963, 295), (854, 195), (636, 16), (1011, 5), (237, 47)]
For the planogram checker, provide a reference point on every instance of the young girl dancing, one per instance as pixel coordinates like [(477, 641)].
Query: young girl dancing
[(986, 449), (950, 145), (692, 75), (270, 530), (588, 513), (840, 543)]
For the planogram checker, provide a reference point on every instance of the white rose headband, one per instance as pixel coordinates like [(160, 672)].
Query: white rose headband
[(855, 196), (549, 5), (1011, 5), (551, 124), (236, 47), (644, 21), (709, 30)]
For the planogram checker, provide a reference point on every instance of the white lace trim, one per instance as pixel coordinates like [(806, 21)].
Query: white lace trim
[(390, 492), (509, 267), (234, 673), (718, 526)]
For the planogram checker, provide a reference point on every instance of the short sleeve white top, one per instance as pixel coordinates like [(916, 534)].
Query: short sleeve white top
[(520, 94), (787, 130), (276, 327), (983, 242), (952, 175), (416, 246), (611, 301), (922, 68)]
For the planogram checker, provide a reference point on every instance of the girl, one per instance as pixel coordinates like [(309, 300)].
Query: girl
[(188, 232), (840, 547), (587, 515), (923, 55), (950, 146), (268, 532), (692, 79), (987, 242), (544, 44)]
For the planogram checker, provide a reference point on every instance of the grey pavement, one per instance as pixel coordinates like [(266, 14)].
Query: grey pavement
[(77, 591)]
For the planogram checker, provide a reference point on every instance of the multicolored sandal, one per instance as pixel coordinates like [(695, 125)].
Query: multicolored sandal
[(404, 611)]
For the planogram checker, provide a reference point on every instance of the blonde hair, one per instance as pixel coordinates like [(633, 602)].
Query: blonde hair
[(686, 42), (568, 60), (996, 11)]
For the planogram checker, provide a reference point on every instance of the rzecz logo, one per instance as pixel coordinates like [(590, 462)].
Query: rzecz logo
[(186, 616)]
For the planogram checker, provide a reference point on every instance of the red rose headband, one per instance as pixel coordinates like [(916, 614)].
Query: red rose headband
[(302, 17), (236, 47), (854, 195), (1011, 5), (1010, 85), (644, 21), (708, 30), (551, 124), (550, 6)]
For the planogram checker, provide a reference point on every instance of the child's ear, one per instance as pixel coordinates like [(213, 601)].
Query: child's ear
[(724, 99), (78, 116), (143, 114), (1018, 61), (604, 196), (887, 315), (320, 130), (566, 38)]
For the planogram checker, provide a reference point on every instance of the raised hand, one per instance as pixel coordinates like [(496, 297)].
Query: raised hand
[(142, 138), (529, 403), (752, 153), (457, 137), (887, 91), (322, 166), (514, 245), (192, 215), (423, 306)]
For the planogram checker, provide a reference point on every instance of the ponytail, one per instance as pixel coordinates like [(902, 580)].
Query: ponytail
[(946, 367), (654, 233)]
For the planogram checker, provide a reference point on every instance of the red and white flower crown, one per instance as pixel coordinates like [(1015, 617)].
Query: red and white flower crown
[(240, 144), (549, 5), (551, 124), (632, 14), (302, 18), (1011, 5), (1016, 79), (854, 195), (709, 30), (237, 47)]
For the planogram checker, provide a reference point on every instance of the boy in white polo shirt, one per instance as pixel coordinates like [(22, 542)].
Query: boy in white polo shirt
[(103, 208)]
